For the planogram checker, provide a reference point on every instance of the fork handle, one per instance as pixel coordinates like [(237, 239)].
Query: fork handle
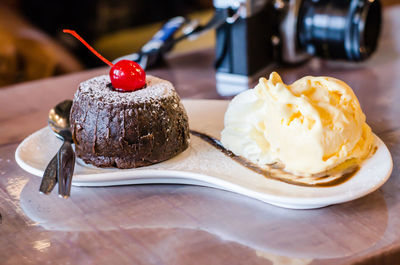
[(49, 179), (65, 168)]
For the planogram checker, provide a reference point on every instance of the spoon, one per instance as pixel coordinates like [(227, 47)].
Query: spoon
[(61, 167)]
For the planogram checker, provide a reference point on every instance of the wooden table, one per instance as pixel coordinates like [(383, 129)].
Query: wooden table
[(173, 224)]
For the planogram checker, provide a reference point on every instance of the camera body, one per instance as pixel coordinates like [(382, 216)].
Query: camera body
[(258, 33)]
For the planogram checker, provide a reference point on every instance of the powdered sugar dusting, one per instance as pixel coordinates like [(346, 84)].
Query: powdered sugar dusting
[(100, 89)]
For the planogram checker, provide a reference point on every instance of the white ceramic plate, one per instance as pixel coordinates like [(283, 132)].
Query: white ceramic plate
[(201, 164)]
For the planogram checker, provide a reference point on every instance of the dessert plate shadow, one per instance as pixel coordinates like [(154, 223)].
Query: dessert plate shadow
[(202, 164)]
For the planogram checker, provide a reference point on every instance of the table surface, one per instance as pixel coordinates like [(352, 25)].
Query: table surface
[(177, 224)]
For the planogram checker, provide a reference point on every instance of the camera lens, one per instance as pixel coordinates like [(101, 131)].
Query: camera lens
[(339, 29)]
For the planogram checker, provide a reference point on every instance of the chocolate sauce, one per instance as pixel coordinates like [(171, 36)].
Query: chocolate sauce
[(275, 171)]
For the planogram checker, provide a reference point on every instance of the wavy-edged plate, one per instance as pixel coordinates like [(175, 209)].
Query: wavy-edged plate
[(202, 164)]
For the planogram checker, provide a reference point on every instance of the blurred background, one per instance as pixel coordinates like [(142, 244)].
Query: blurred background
[(32, 45)]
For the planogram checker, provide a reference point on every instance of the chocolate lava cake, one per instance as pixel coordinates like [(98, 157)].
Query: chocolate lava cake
[(128, 129)]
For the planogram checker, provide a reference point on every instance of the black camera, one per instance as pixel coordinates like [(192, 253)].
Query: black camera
[(259, 32)]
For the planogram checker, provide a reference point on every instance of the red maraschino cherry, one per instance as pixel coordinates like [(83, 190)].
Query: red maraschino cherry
[(125, 75)]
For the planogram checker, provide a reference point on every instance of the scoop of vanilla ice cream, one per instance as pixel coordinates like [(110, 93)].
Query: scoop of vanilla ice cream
[(310, 126)]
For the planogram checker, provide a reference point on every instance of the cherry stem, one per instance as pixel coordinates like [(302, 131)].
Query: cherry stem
[(76, 35)]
